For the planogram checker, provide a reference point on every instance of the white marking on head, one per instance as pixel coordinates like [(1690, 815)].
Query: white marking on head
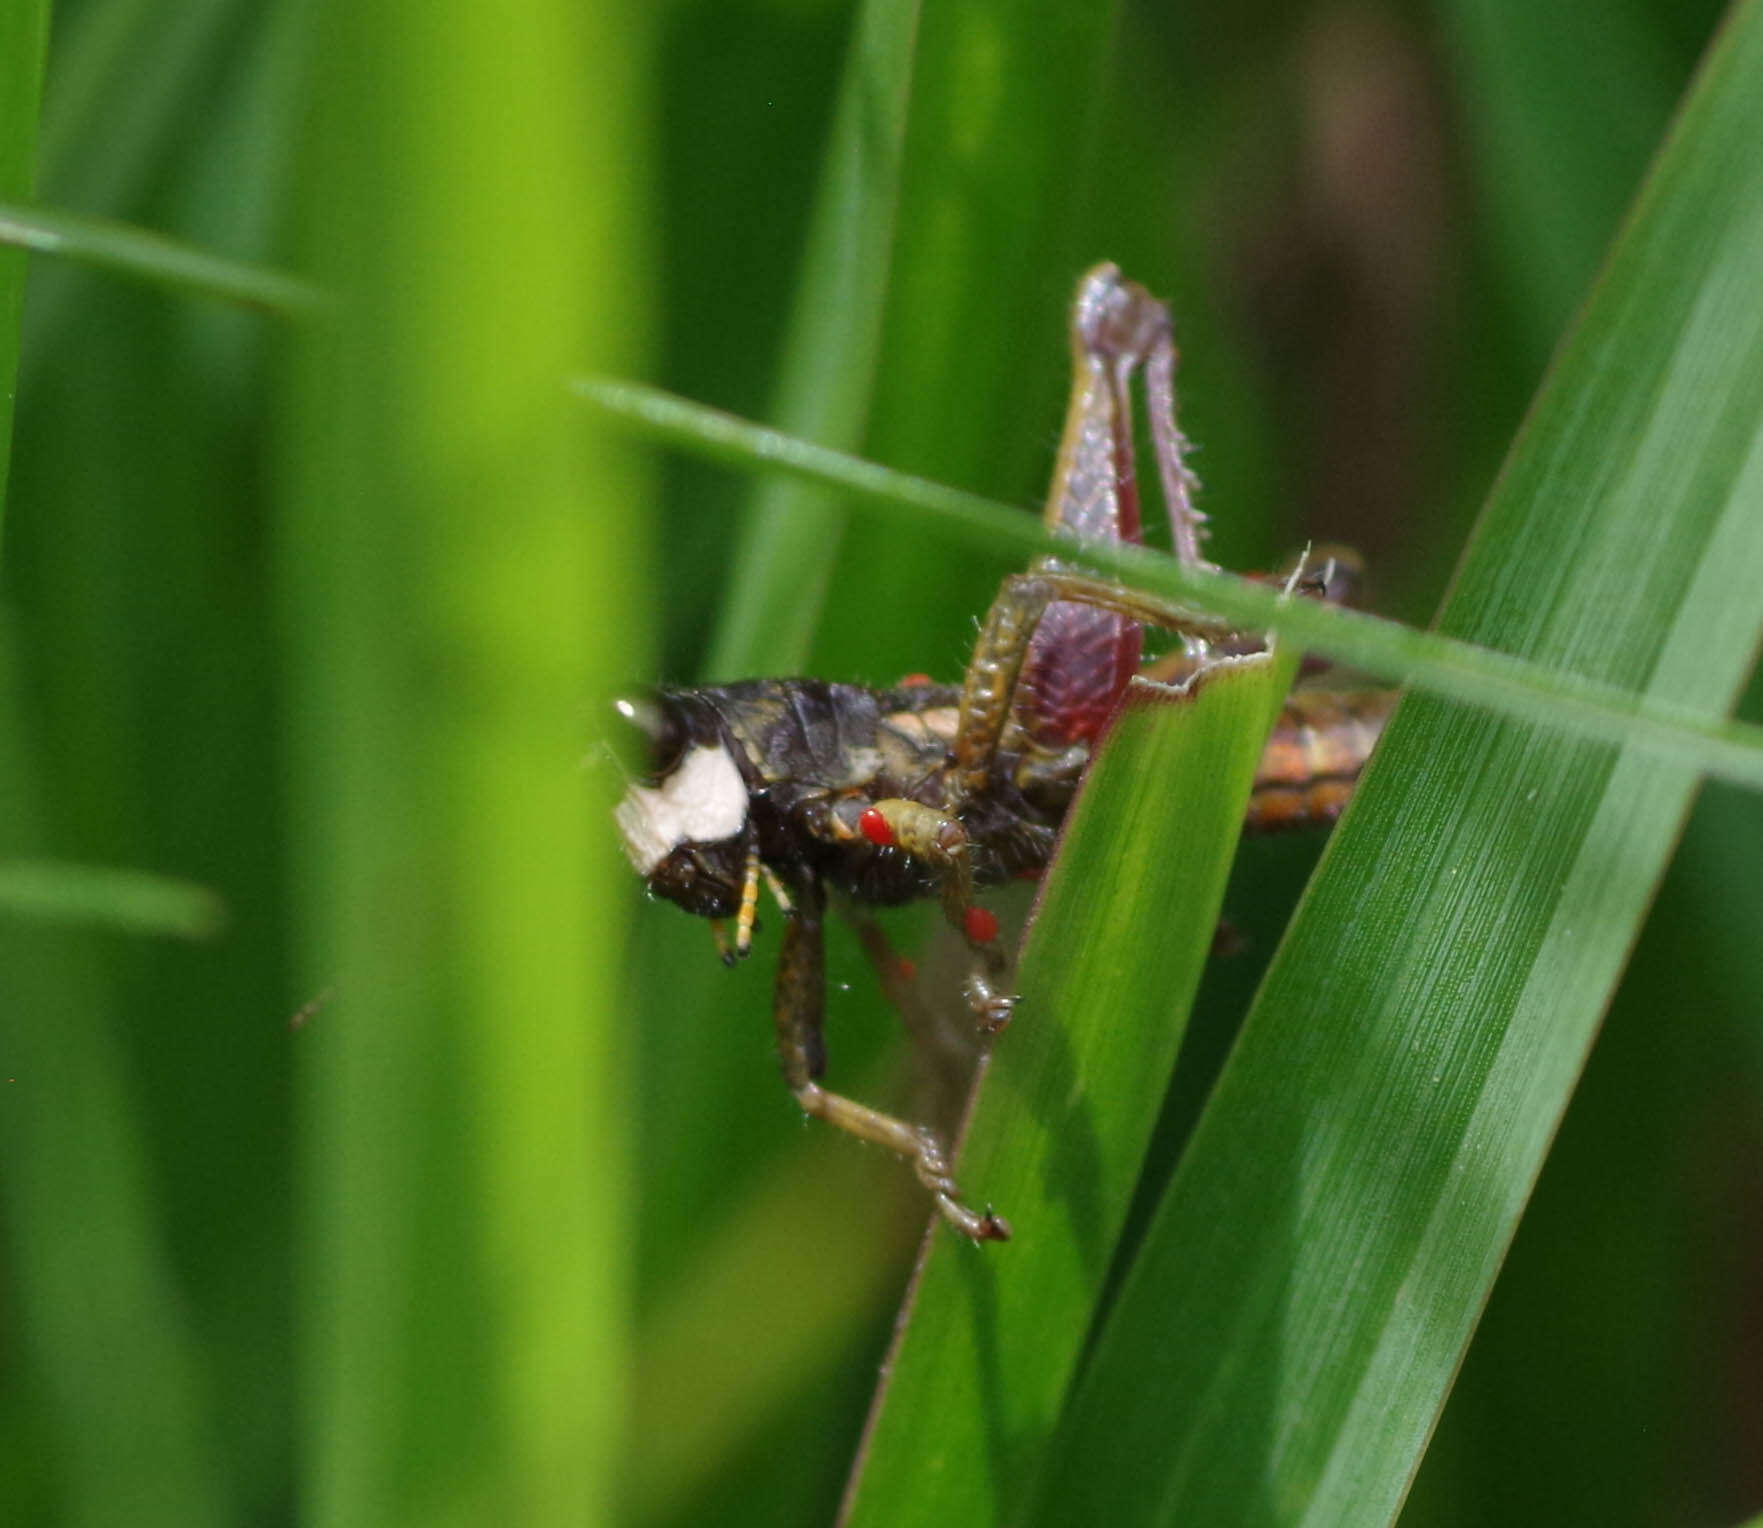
[(703, 800)]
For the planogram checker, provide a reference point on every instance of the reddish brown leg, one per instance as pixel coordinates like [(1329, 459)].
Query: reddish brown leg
[(1081, 658)]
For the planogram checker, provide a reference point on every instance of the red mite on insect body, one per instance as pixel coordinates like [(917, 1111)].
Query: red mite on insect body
[(927, 790)]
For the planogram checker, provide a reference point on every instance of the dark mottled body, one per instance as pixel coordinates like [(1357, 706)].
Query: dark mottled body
[(806, 747), (803, 746)]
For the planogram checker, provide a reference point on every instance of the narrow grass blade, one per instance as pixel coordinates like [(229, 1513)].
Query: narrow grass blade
[(1283, 1344), (24, 32), (117, 114), (132, 901), (777, 585), (1508, 684), (1123, 930), (107, 1347), (153, 257)]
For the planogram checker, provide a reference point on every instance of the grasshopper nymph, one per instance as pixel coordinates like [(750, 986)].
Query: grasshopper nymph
[(805, 786)]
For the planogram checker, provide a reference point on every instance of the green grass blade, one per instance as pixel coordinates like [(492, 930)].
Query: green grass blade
[(1123, 930), (451, 612), (1588, 705), (117, 108), (153, 257), (24, 31), (111, 1360), (704, 1390), (999, 157), (132, 901), (1285, 1340), (784, 558), (1533, 74), (121, 92), (108, 1349), (106, 1354)]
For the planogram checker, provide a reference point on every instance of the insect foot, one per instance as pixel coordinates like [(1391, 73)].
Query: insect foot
[(917, 1144), (991, 1007), (933, 1172)]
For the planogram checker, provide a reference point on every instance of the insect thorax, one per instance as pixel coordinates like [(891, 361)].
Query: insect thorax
[(763, 764)]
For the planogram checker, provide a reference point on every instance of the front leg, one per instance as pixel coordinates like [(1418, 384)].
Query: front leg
[(799, 1010)]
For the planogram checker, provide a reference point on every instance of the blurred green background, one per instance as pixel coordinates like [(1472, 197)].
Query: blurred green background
[(441, 1183)]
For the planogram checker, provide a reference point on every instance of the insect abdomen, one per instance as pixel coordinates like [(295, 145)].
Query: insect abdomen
[(1313, 758)]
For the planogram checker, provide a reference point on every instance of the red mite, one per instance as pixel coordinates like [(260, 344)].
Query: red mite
[(873, 826), (884, 796)]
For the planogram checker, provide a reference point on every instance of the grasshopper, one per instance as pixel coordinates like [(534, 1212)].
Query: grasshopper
[(805, 786)]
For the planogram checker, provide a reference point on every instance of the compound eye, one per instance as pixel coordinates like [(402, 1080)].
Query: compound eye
[(664, 734)]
